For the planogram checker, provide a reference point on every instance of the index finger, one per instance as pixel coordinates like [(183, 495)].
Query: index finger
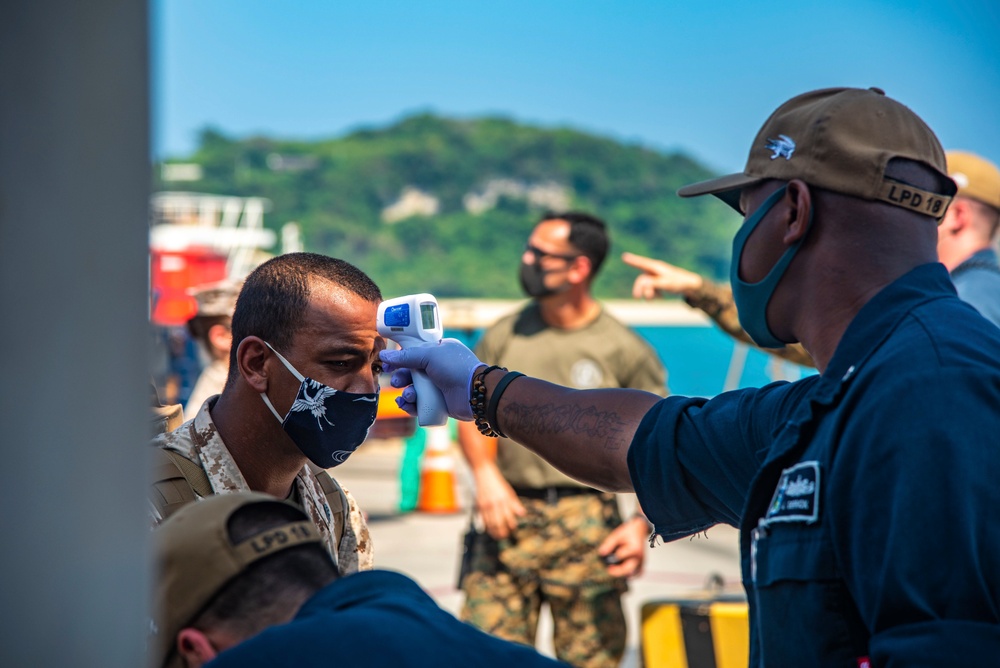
[(640, 261)]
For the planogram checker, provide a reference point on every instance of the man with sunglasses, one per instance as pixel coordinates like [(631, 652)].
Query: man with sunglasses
[(549, 538)]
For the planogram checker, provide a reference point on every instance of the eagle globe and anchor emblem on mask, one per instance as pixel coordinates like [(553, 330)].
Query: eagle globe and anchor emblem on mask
[(316, 403)]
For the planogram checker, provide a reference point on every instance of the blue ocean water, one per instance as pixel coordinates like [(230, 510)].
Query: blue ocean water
[(698, 360)]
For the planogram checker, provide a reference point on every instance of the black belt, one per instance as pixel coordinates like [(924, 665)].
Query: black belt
[(553, 494)]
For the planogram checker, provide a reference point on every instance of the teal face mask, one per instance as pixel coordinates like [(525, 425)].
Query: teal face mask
[(752, 298)]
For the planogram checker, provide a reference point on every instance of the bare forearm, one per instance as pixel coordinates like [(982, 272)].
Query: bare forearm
[(583, 433), (479, 450)]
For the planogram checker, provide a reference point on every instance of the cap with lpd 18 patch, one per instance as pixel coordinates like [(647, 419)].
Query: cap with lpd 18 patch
[(840, 139), (195, 559)]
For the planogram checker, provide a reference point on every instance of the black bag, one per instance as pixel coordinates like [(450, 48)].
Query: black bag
[(478, 546)]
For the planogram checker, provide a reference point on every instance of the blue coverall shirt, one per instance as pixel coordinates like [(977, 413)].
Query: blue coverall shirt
[(977, 281), (376, 618), (868, 498)]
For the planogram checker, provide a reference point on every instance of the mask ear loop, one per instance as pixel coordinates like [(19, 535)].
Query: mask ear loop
[(291, 370)]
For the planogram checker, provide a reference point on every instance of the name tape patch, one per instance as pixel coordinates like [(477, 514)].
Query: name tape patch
[(796, 498), (276, 539), (915, 199)]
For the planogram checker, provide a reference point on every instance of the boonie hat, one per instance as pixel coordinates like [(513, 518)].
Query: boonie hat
[(217, 299), (840, 139), (195, 559), (976, 177)]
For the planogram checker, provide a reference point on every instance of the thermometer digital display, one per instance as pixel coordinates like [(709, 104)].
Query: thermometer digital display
[(413, 321)]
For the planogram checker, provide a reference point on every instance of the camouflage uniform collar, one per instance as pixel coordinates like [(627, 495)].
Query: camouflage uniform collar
[(205, 445)]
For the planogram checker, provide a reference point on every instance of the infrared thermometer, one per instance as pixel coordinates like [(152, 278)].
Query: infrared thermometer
[(413, 321)]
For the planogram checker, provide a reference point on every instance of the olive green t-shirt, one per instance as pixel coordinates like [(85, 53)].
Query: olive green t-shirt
[(602, 354)]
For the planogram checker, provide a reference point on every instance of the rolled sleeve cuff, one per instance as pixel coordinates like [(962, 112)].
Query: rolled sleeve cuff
[(659, 480)]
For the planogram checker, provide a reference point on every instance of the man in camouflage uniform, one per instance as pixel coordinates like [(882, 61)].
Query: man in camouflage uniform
[(546, 534), (317, 315), (212, 328)]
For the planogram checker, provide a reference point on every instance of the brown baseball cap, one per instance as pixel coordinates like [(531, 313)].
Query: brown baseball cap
[(840, 139), (977, 178), (195, 559)]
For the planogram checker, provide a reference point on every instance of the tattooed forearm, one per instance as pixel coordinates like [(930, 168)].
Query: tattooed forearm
[(588, 422)]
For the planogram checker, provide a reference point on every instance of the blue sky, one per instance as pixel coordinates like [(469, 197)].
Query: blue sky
[(697, 76)]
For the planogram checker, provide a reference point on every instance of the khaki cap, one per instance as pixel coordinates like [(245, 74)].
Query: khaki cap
[(195, 559), (217, 299), (977, 178), (840, 139)]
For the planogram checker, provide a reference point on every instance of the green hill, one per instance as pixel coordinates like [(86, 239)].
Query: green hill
[(471, 190)]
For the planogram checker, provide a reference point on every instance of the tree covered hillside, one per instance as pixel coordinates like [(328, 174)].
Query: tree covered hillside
[(444, 206)]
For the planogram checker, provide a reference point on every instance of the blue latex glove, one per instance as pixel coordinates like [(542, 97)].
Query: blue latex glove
[(449, 365)]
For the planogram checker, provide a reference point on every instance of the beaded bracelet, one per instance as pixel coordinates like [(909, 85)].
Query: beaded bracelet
[(477, 401), (491, 411)]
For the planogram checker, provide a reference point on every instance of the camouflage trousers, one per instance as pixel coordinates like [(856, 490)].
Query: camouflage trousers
[(552, 557)]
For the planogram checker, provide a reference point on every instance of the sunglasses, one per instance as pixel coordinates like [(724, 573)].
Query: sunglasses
[(538, 253)]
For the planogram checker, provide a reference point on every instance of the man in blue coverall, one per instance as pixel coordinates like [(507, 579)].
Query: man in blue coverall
[(244, 579), (866, 496), (967, 235)]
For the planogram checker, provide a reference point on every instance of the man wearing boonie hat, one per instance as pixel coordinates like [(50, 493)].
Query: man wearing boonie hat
[(212, 328), (968, 232), (243, 580), (867, 495)]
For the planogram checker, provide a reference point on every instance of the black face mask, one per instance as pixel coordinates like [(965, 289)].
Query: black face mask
[(533, 281), (348, 417)]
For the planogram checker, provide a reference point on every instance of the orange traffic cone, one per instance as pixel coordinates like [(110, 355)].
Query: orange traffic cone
[(437, 474)]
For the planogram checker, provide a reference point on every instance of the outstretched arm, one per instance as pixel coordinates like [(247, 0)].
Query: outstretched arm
[(583, 433), (716, 301)]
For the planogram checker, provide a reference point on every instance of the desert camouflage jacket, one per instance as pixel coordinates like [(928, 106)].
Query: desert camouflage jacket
[(199, 441)]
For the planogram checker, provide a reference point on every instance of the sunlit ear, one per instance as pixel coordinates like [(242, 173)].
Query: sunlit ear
[(194, 647), (581, 270), (251, 356), (957, 217), (799, 202)]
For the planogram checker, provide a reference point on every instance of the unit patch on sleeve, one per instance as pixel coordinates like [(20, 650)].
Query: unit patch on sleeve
[(796, 499)]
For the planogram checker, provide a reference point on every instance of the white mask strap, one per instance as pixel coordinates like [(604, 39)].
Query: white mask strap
[(291, 369), (286, 363), (269, 405)]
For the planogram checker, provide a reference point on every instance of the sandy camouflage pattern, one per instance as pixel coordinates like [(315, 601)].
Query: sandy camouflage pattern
[(717, 302), (552, 556), (199, 441)]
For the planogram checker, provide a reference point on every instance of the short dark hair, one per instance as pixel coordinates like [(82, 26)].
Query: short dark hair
[(269, 589), (587, 233), (275, 296)]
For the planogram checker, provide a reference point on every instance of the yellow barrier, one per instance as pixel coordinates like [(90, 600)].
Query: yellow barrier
[(695, 633)]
